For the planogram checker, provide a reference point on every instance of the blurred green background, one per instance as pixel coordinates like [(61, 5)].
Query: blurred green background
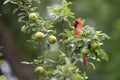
[(102, 14)]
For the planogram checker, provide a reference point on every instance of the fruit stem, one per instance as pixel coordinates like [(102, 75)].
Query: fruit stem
[(41, 51)]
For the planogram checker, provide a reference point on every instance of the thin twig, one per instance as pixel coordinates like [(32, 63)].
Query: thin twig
[(65, 47), (41, 51)]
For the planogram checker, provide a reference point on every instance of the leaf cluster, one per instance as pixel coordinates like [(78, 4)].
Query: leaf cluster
[(61, 12), (66, 67)]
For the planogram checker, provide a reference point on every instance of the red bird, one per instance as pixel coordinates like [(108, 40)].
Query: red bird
[(77, 23)]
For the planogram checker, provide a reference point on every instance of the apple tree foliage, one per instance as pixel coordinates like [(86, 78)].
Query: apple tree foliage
[(82, 43)]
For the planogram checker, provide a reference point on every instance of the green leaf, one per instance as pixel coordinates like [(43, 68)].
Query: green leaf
[(61, 40), (67, 10), (106, 36), (13, 2), (90, 65), (6, 1), (104, 55), (38, 1), (62, 54), (77, 76), (21, 14), (21, 18), (97, 33), (84, 76), (2, 77), (15, 10), (50, 60), (65, 3), (83, 21), (68, 60), (1, 62), (50, 26), (76, 40), (34, 9)]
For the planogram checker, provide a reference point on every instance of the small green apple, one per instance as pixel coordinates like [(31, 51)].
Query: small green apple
[(52, 39), (39, 69), (33, 16), (94, 45), (38, 36), (85, 51), (24, 30)]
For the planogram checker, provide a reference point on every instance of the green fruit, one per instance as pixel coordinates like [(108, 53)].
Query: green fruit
[(40, 70), (94, 45), (24, 30), (33, 16), (49, 72), (85, 51), (38, 35), (52, 39)]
